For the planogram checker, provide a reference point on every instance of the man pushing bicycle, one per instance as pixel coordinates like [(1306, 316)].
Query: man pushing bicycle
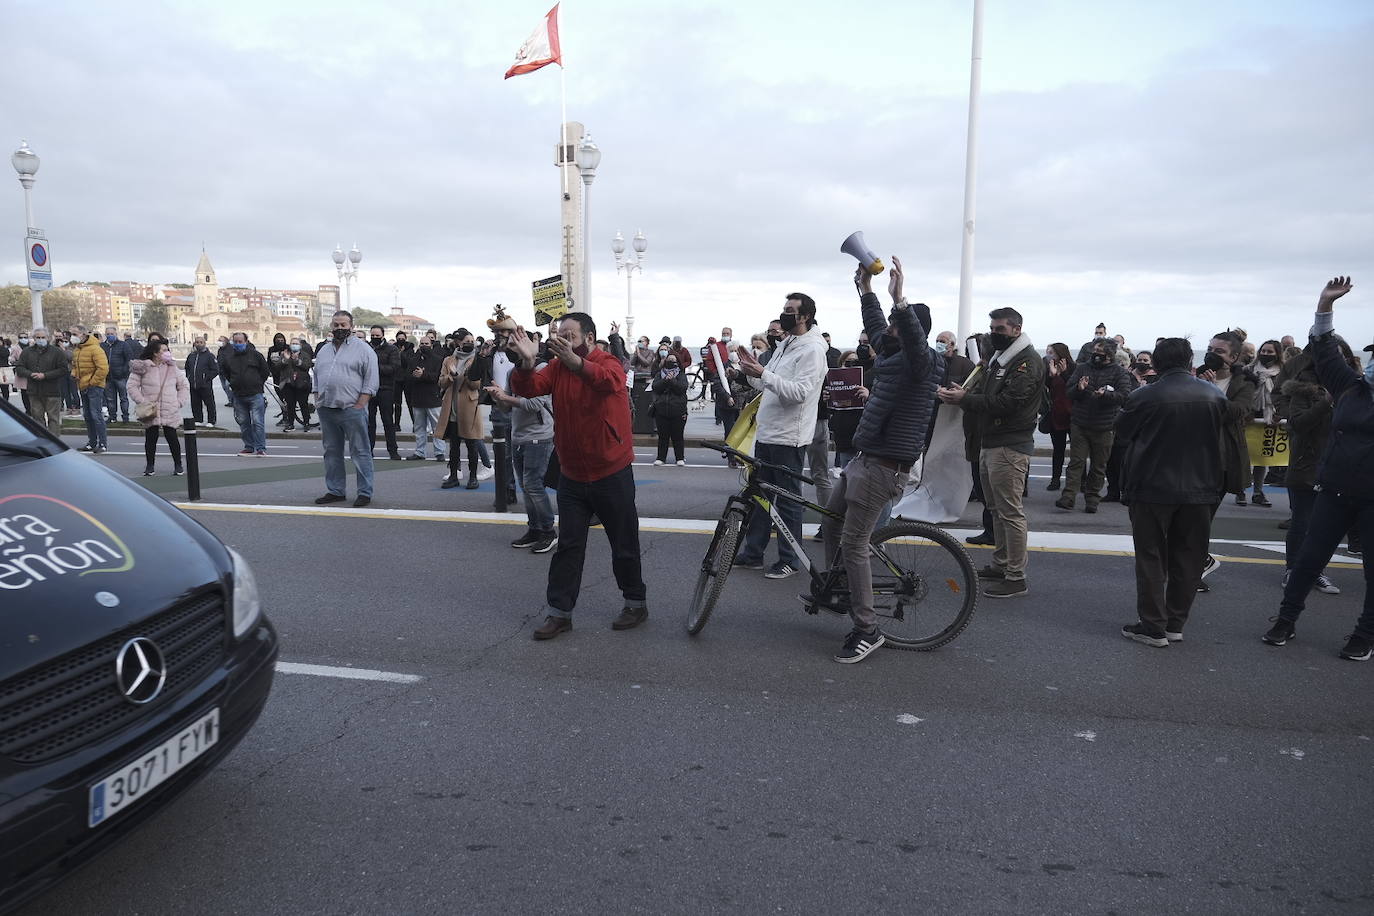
[(891, 436)]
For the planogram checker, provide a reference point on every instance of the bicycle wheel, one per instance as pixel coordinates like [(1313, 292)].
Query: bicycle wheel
[(924, 586), (715, 568), (696, 385)]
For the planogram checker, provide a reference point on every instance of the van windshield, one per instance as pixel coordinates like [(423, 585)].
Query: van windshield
[(18, 442)]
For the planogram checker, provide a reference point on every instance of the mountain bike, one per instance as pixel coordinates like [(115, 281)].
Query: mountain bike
[(925, 588)]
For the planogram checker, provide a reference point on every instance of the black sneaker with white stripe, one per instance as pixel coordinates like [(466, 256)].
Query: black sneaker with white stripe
[(858, 645), (1357, 648)]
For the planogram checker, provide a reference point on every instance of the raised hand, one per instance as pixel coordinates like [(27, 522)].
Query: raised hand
[(1333, 290), (564, 351), (747, 363), (863, 280), (895, 279), (525, 346)]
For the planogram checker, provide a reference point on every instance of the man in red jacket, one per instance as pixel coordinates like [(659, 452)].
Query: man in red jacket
[(592, 440)]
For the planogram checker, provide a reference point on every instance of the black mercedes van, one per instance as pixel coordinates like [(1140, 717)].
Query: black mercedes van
[(134, 656)]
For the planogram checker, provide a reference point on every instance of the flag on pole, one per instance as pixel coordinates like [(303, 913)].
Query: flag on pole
[(540, 49)]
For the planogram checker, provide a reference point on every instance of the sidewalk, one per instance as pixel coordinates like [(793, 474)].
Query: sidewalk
[(701, 427)]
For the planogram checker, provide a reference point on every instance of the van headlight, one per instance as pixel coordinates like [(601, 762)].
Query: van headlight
[(247, 607)]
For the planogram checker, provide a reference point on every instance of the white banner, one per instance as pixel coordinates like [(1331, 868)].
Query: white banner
[(944, 474)]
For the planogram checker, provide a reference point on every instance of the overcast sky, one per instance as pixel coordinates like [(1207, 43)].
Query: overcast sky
[(1168, 168)]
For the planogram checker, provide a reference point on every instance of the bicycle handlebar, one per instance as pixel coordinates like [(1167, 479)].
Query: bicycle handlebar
[(755, 462)]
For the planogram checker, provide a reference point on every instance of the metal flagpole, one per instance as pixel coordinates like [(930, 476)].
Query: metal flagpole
[(563, 128), (971, 176)]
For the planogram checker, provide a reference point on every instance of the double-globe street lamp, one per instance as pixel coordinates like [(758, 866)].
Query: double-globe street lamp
[(630, 264), (588, 158), (25, 162), (347, 271)]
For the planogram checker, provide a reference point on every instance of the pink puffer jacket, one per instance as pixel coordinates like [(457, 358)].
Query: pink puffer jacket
[(147, 379)]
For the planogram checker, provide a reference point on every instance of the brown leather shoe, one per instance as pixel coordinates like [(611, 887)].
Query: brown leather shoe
[(630, 617), (552, 627)]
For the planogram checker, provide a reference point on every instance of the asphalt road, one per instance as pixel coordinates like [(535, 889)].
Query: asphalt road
[(1040, 763)]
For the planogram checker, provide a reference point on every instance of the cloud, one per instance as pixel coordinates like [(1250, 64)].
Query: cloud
[(1222, 174)]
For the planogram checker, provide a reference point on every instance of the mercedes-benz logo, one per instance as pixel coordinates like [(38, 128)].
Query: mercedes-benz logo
[(140, 670)]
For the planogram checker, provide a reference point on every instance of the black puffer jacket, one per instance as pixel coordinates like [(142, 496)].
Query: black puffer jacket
[(902, 396), (390, 365), (1093, 411), (1345, 468), (1172, 432), (670, 396), (423, 390)]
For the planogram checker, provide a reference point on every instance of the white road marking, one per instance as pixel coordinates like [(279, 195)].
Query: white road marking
[(1296, 753), (1281, 547), (200, 454), (355, 674), (1091, 542), (907, 718), (1086, 736)]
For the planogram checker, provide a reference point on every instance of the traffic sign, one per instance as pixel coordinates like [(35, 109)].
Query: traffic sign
[(40, 262)]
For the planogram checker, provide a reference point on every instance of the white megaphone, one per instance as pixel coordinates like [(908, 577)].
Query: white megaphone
[(856, 247)]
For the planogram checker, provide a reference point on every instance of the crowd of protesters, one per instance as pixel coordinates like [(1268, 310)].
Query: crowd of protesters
[(1157, 430)]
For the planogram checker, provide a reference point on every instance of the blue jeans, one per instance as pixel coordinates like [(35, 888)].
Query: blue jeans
[(228, 393), (531, 461), (346, 424), (756, 535), (426, 421), (117, 395), (1332, 516), (71, 394), (251, 416), (93, 412)]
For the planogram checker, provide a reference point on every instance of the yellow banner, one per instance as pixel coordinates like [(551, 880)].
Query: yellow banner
[(741, 436), (550, 299), (1268, 445)]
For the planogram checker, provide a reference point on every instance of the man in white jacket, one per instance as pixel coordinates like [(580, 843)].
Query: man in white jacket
[(791, 385)]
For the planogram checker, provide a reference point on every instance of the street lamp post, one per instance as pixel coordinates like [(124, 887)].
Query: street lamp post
[(588, 158), (347, 272), (634, 262), (25, 162)]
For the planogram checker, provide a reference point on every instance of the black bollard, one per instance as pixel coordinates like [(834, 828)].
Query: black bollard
[(498, 448), (192, 461)]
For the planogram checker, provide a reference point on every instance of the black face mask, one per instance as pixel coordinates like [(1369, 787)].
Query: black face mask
[(376, 341), (1099, 359), (773, 340), (889, 345), (467, 348), (342, 334), (1213, 361), (863, 352), (1267, 359), (1000, 341), (788, 321)]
